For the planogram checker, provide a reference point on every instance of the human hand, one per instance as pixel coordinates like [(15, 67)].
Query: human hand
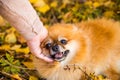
[(34, 45), (27, 23)]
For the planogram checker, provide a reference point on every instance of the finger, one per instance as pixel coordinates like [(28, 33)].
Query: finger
[(35, 49), (37, 53)]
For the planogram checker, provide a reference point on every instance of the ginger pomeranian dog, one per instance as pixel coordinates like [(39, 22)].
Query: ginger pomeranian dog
[(91, 46)]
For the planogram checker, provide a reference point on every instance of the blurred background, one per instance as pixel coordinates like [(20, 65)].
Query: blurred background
[(15, 58)]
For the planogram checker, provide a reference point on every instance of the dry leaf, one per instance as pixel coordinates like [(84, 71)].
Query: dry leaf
[(21, 39), (2, 21), (96, 4), (108, 14), (5, 47), (15, 47), (33, 1), (23, 50), (54, 4), (10, 38), (39, 3), (33, 78), (43, 9), (29, 65), (17, 77)]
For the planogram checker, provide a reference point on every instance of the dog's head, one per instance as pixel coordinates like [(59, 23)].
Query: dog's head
[(62, 42)]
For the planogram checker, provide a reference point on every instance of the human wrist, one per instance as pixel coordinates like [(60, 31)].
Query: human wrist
[(40, 36), (37, 29), (23, 18)]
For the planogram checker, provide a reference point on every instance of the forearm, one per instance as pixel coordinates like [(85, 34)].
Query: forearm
[(22, 16)]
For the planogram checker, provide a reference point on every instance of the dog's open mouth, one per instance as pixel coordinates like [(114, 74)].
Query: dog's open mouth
[(60, 56)]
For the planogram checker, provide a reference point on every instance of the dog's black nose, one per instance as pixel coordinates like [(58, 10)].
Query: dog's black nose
[(55, 48)]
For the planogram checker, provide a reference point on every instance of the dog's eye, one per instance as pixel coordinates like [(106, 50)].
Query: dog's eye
[(48, 45), (63, 41)]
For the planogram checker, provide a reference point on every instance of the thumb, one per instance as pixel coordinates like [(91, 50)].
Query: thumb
[(35, 50), (37, 53)]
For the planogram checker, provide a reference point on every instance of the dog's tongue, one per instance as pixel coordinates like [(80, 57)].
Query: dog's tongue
[(58, 55)]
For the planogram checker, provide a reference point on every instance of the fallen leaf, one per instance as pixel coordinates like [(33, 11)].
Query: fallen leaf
[(15, 47), (39, 3), (54, 4), (20, 38), (96, 4), (43, 9), (108, 14), (89, 3), (2, 22), (5, 47), (33, 78), (33, 1), (10, 30), (29, 65), (66, 1), (16, 76), (23, 50), (10, 38)]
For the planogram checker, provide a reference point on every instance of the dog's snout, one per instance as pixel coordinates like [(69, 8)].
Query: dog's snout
[(55, 48)]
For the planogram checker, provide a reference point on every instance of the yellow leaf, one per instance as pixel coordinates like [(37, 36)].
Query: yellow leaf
[(89, 3), (10, 38), (20, 39), (16, 76), (23, 50), (46, 26), (66, 1), (5, 47), (43, 9), (39, 3), (109, 3), (53, 4), (33, 78), (15, 47), (100, 77), (29, 65), (96, 4), (62, 6), (67, 15), (2, 35), (33, 1), (11, 30), (2, 21), (108, 14)]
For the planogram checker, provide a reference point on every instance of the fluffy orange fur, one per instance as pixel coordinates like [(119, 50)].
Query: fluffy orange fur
[(97, 51)]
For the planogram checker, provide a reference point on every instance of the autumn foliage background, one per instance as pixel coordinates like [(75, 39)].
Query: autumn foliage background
[(15, 58)]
